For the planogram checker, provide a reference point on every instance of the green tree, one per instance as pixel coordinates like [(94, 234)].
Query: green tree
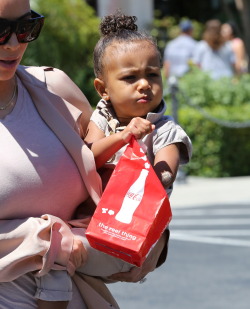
[(67, 41)]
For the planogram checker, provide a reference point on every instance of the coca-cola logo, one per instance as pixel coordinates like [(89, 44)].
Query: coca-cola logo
[(134, 196)]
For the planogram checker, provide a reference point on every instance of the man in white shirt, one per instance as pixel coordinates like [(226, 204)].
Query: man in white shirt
[(179, 51)]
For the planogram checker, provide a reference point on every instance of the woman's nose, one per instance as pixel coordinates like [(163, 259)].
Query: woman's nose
[(12, 42)]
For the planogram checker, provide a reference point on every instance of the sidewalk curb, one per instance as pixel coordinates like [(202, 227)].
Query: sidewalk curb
[(201, 191)]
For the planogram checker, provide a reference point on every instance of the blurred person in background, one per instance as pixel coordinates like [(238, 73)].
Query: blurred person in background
[(179, 51), (212, 54), (229, 33)]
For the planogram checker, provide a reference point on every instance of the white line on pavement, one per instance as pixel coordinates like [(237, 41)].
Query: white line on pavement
[(215, 232), (215, 221), (210, 240), (208, 211)]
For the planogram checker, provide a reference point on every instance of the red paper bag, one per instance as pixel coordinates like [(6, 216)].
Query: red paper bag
[(134, 209)]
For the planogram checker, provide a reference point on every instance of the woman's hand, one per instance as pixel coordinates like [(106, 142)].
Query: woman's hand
[(78, 254), (138, 273)]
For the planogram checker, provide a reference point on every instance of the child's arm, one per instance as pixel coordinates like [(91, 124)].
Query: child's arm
[(166, 164), (104, 148)]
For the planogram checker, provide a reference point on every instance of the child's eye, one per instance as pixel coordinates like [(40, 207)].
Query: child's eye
[(128, 77), (153, 74)]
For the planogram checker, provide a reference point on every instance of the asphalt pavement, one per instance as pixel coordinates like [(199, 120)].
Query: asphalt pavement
[(208, 262), (201, 191)]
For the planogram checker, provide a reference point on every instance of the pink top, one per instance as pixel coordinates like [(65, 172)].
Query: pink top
[(38, 175)]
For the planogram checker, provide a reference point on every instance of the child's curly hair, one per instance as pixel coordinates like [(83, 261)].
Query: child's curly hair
[(116, 23), (119, 28)]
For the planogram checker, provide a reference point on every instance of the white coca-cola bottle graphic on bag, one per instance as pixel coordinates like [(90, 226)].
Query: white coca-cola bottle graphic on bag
[(132, 198)]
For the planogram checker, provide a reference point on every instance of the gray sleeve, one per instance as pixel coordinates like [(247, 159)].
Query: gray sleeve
[(171, 133)]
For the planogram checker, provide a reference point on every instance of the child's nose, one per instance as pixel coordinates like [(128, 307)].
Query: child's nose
[(143, 84)]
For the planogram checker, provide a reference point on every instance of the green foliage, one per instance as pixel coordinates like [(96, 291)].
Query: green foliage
[(205, 137), (67, 41), (218, 151), (207, 92)]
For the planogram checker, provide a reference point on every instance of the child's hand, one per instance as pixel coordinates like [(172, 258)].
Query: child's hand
[(138, 127)]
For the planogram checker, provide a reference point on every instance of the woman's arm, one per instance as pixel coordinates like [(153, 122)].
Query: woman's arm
[(240, 53), (37, 244), (59, 83)]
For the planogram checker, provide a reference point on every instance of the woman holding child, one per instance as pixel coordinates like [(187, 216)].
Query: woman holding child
[(47, 171)]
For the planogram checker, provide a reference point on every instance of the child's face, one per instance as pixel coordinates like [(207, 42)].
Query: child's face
[(132, 78)]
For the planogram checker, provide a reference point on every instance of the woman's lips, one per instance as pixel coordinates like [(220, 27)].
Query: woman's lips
[(8, 63)]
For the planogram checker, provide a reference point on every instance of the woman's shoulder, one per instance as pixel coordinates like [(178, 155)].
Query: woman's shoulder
[(42, 75), (57, 82), (237, 41), (238, 44), (61, 84)]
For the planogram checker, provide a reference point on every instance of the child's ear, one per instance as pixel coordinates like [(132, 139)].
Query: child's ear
[(100, 88)]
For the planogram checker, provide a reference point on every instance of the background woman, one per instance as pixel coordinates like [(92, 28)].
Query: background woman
[(212, 54), (229, 33)]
